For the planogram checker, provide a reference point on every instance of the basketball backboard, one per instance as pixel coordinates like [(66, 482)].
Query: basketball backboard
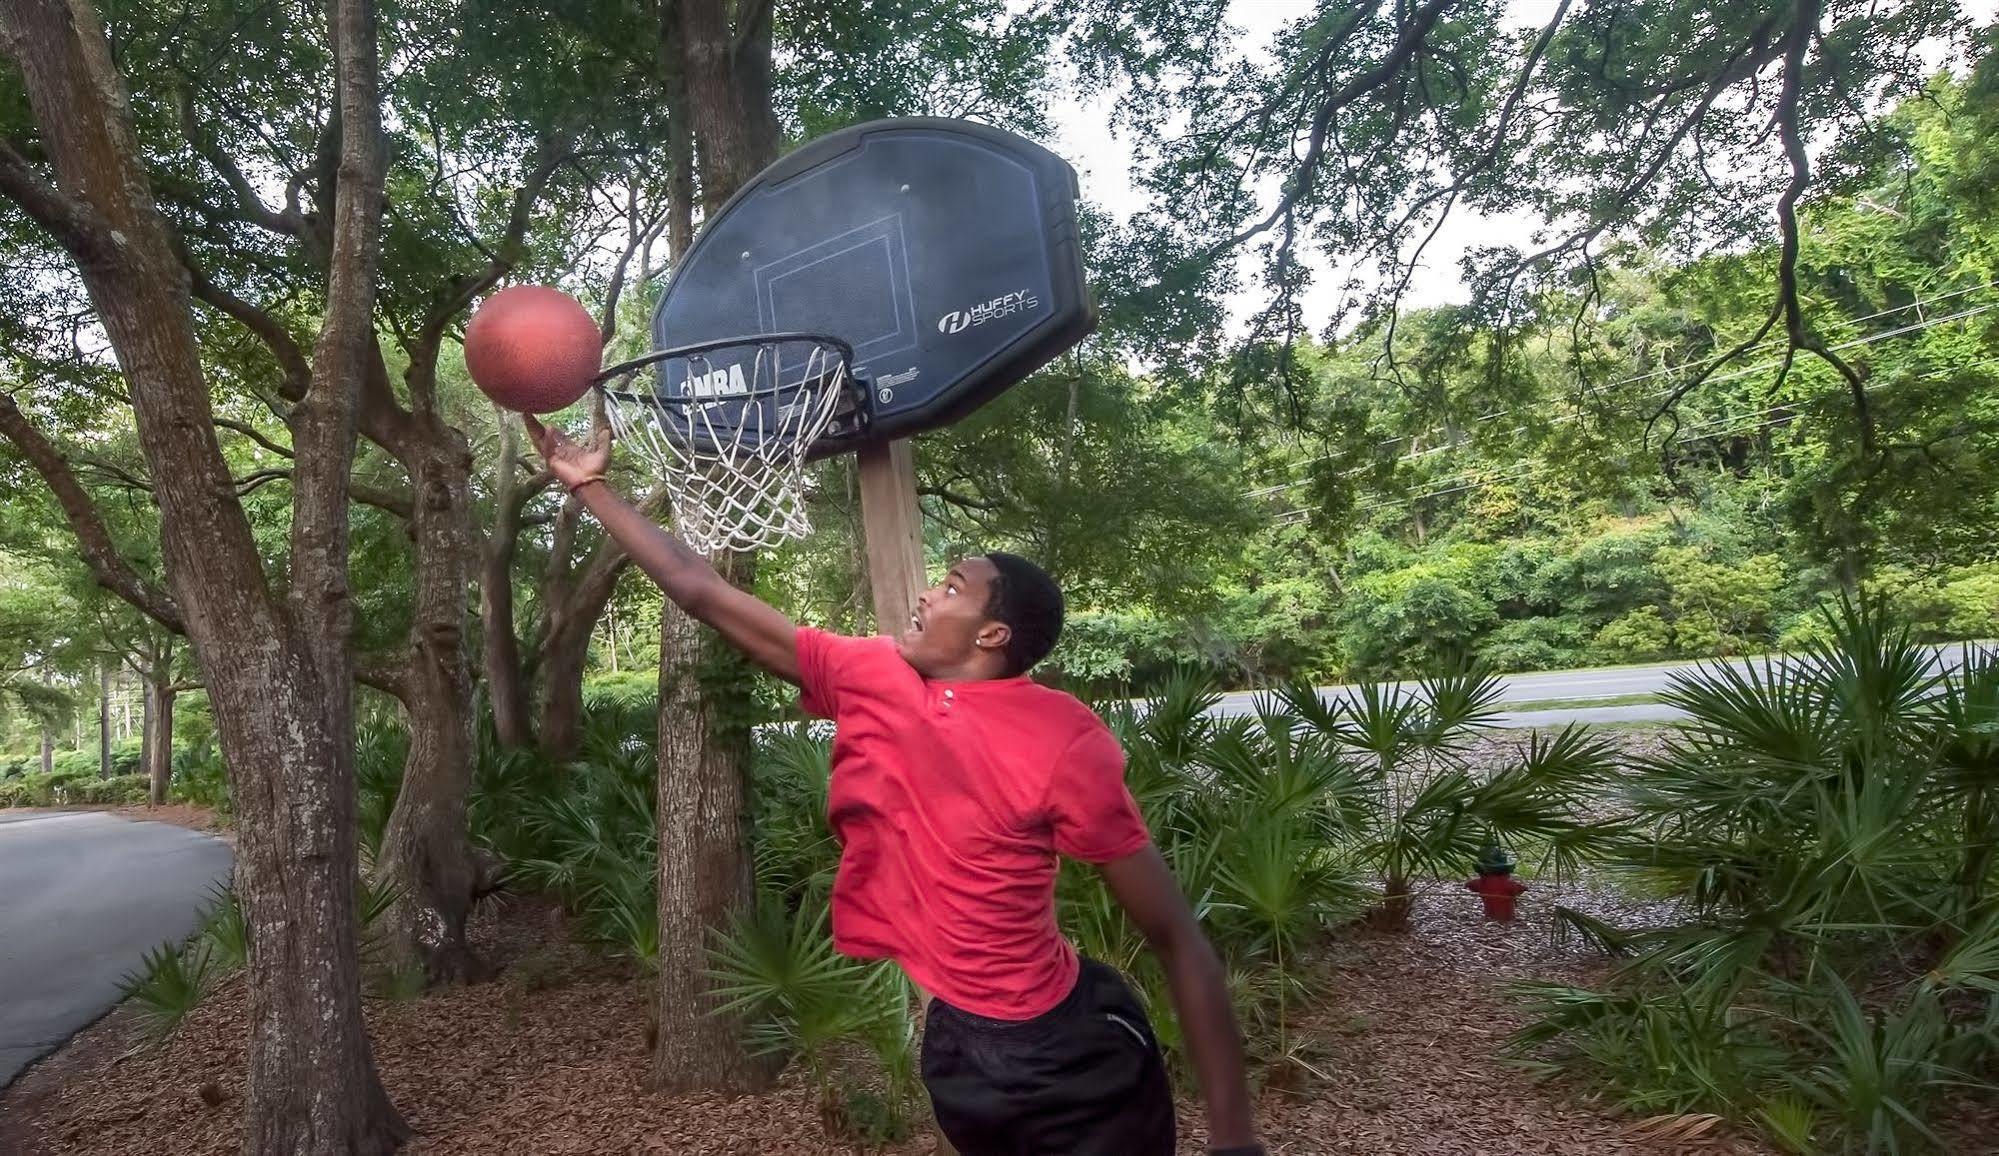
[(944, 253)]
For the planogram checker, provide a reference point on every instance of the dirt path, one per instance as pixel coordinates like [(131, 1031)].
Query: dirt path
[(552, 1058)]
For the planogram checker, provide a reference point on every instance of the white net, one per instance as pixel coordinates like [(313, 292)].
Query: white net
[(732, 446)]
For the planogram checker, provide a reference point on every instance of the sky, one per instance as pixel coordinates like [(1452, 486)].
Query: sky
[(1084, 137)]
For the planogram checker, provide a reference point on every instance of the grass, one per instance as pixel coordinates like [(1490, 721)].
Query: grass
[(1581, 703)]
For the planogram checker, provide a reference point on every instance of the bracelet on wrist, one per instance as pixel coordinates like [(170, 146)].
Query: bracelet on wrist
[(586, 481)]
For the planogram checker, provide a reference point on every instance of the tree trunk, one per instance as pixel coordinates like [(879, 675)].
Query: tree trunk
[(278, 672), (704, 874), (426, 851), (564, 657), (160, 756), (156, 681), (145, 725), (727, 76), (721, 90), (565, 648), (48, 752), (1392, 913), (506, 685), (103, 718)]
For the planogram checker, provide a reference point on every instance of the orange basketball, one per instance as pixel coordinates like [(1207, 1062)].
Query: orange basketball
[(533, 349)]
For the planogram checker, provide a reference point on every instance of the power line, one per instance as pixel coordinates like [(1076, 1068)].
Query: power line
[(1917, 305), (1560, 419)]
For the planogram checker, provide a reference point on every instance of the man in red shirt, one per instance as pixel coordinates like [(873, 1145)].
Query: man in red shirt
[(957, 781)]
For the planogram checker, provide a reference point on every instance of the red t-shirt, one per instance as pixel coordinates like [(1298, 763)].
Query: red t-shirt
[(950, 801)]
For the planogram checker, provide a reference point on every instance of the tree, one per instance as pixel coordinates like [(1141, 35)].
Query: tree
[(490, 129), (279, 663), (718, 77), (34, 615), (1675, 123)]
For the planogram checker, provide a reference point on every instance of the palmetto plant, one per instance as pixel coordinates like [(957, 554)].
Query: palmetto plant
[(1826, 823), (380, 747), (224, 930), (169, 983), (778, 970), (796, 854), (1422, 804)]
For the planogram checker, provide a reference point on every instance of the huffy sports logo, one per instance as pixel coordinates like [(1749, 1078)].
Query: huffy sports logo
[(1005, 305), (717, 382)]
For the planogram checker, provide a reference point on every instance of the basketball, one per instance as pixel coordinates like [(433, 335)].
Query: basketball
[(533, 349)]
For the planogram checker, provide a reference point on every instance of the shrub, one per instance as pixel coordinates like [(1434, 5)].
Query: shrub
[(1534, 644), (121, 791), (199, 777), (380, 748), (170, 982), (1636, 636), (778, 970), (225, 933), (60, 788), (1827, 825)]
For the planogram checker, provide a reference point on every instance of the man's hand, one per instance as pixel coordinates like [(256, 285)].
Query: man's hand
[(572, 464), (759, 631)]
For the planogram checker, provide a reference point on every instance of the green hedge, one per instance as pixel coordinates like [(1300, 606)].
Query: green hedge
[(61, 787)]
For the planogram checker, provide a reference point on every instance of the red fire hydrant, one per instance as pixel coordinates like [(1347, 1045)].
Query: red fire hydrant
[(1495, 885)]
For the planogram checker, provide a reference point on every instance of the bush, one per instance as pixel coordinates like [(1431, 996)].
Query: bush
[(170, 982), (1637, 636), (586, 832), (380, 748), (64, 788), (1827, 826), (199, 777), (125, 758), (1534, 644), (124, 790), (1117, 655)]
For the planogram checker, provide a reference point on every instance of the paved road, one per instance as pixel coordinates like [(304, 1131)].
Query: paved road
[(1608, 682), (83, 895)]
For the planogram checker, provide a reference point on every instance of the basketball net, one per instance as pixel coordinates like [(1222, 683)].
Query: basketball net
[(732, 454)]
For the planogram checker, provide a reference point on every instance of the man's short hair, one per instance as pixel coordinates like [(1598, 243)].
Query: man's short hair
[(1030, 603)]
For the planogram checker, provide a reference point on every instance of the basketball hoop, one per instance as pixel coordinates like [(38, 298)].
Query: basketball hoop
[(730, 425)]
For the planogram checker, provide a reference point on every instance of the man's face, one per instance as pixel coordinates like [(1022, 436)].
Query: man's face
[(948, 634)]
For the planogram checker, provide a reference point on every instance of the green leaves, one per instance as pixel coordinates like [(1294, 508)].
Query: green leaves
[(1824, 820), (170, 983), (778, 970)]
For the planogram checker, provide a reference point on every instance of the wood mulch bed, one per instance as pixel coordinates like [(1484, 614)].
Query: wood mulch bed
[(551, 1058)]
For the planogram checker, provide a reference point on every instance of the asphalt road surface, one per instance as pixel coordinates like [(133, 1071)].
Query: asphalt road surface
[(83, 895), (1604, 683)]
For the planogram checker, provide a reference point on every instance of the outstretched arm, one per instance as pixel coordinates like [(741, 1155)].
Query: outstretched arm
[(1145, 888), (751, 625)]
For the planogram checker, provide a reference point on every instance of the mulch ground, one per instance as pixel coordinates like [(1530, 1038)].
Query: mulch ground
[(551, 1058)]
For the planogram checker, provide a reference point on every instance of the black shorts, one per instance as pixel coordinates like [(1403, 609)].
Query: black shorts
[(1084, 1079)]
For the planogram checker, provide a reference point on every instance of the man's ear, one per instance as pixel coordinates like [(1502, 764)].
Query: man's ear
[(993, 636)]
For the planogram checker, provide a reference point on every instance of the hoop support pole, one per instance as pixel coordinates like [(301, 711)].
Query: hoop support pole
[(892, 524)]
